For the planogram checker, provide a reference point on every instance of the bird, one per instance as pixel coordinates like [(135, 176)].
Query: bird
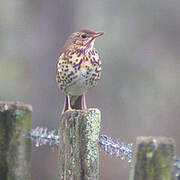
[(78, 68)]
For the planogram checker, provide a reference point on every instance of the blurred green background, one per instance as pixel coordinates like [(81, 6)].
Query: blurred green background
[(138, 93)]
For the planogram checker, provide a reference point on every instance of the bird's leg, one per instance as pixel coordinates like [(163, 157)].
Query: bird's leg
[(69, 104), (83, 99), (64, 107)]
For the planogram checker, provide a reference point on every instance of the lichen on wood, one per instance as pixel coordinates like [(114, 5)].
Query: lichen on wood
[(153, 159), (78, 150), (15, 124)]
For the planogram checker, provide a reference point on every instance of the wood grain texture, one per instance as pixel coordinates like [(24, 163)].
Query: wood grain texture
[(78, 149), (15, 124), (153, 159)]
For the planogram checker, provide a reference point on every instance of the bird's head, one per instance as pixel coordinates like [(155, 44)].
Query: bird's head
[(82, 39)]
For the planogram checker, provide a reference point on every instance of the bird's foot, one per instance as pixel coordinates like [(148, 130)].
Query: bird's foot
[(70, 109)]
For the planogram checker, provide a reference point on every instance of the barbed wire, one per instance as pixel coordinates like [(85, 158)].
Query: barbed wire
[(42, 136)]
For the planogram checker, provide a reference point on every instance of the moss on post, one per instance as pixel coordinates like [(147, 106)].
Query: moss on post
[(15, 124), (153, 159), (78, 149)]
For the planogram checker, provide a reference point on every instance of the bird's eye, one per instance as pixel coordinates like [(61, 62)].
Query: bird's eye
[(84, 36)]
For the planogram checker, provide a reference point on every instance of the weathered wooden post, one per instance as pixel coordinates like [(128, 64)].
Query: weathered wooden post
[(153, 159), (78, 149), (15, 124)]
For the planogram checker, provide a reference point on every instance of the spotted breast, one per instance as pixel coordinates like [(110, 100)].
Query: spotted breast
[(78, 70)]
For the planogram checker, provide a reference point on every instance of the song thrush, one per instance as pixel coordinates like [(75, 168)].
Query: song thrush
[(78, 68)]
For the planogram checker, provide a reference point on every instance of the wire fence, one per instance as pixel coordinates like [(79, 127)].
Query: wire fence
[(42, 136)]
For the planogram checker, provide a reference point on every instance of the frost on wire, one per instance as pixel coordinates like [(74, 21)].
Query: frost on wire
[(42, 136)]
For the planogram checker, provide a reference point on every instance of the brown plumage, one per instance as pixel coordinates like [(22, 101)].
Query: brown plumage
[(78, 68)]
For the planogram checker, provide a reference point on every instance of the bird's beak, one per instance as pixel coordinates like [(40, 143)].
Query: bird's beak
[(97, 34)]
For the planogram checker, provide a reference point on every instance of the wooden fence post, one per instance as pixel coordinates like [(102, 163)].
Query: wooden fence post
[(78, 149), (15, 124), (153, 159)]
